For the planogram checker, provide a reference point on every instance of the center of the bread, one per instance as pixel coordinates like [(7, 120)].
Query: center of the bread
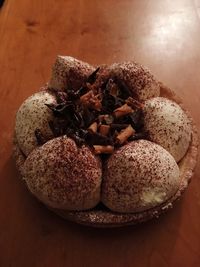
[(102, 114)]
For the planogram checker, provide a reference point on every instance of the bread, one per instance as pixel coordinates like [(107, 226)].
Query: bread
[(138, 177), (137, 78), (63, 176), (68, 72), (168, 125), (33, 114)]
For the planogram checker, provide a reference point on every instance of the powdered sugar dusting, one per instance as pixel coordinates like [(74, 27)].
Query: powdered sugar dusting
[(139, 176), (69, 72), (138, 79), (33, 114), (168, 125), (63, 175)]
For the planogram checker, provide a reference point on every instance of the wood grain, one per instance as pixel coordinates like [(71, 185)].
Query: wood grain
[(163, 35)]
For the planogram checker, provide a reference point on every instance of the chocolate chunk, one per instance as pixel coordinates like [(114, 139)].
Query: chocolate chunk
[(97, 101), (75, 95), (61, 109), (76, 137), (136, 119), (116, 126), (55, 130), (97, 139), (91, 79), (61, 97), (124, 91), (108, 103), (89, 116)]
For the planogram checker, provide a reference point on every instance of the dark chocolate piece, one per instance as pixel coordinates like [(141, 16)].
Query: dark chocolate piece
[(73, 117), (92, 77)]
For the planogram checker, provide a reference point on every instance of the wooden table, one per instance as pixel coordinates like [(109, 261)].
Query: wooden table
[(163, 35)]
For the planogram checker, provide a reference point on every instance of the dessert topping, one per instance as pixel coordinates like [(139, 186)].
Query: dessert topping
[(125, 134), (102, 113), (104, 129), (103, 149), (93, 127), (122, 111)]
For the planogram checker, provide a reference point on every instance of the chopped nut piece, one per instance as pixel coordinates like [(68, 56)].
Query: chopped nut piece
[(91, 100), (93, 127), (103, 149), (122, 111), (104, 129), (125, 134)]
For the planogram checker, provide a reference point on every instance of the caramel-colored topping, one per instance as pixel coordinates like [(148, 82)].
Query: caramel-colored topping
[(93, 127), (125, 134), (91, 100), (98, 149), (122, 111), (104, 129), (100, 113)]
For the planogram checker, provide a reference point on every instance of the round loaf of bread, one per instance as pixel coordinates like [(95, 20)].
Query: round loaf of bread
[(34, 114), (138, 177), (69, 72), (168, 125), (63, 175), (137, 78)]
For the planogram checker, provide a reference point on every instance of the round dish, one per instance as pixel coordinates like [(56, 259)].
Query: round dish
[(102, 217)]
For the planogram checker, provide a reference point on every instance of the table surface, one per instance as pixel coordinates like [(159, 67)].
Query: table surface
[(161, 34)]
